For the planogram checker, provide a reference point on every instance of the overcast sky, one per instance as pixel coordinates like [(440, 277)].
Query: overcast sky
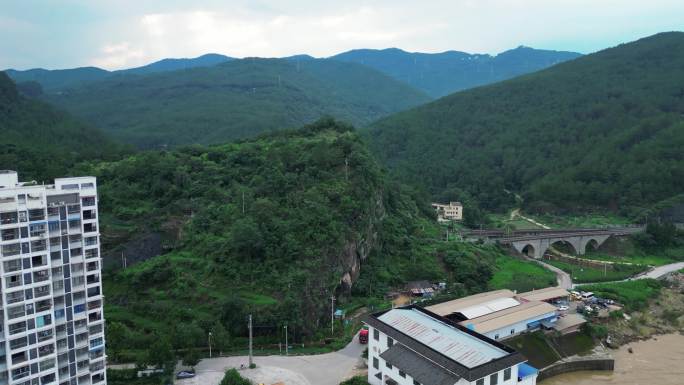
[(115, 34)]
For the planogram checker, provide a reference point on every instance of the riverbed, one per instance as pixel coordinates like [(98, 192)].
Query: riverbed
[(658, 361)]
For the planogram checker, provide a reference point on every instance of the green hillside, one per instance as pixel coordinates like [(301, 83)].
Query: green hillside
[(41, 142), (270, 226), (605, 130), (236, 99)]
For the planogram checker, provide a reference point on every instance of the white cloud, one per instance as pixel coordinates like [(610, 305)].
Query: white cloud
[(145, 31)]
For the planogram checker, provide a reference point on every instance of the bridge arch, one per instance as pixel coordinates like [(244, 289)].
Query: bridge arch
[(591, 245), (565, 245), (529, 250)]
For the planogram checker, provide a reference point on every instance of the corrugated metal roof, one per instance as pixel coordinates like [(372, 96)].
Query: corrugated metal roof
[(419, 367), (471, 374), (450, 307), (488, 307), (544, 294), (449, 341), (509, 316)]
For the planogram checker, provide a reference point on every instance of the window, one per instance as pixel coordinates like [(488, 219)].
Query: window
[(376, 364), (388, 365), (507, 374), (496, 336), (480, 381), (390, 342), (376, 335), (512, 331), (401, 373), (416, 382), (494, 379)]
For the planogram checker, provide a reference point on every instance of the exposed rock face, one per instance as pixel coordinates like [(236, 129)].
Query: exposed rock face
[(358, 250)]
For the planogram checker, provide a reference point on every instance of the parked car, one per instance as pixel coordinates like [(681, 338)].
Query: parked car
[(563, 308), (185, 374)]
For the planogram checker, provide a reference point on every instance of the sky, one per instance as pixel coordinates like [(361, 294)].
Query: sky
[(115, 34)]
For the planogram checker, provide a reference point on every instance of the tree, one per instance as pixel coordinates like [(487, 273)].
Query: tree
[(160, 354), (191, 358), (221, 337), (232, 377)]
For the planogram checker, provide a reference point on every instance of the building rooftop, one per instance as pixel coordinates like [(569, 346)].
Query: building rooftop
[(489, 307), (509, 316), (544, 294), (429, 344), (459, 346), (457, 305)]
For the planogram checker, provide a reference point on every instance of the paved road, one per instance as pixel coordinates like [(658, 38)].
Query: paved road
[(320, 369), (564, 280), (655, 273), (662, 270)]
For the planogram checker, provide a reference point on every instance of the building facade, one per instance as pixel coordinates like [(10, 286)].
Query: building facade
[(412, 346), (451, 212), (500, 314), (52, 325)]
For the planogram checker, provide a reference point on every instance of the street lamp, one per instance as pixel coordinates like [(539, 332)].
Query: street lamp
[(209, 341)]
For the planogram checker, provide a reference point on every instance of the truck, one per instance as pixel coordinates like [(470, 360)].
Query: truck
[(363, 336)]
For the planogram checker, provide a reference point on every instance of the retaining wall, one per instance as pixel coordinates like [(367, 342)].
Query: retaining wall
[(576, 366)]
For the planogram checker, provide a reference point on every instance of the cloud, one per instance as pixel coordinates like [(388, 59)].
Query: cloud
[(124, 33)]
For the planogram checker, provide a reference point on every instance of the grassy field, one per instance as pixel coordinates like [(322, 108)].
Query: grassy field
[(640, 259), (633, 294), (536, 348), (584, 274), (588, 220), (516, 274)]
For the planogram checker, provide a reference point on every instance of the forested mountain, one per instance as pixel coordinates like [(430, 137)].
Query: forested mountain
[(603, 130), (236, 99), (439, 74), (41, 142), (55, 81), (172, 64)]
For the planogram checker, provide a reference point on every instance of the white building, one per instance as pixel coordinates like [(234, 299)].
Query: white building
[(52, 327), (451, 212), (498, 314), (413, 346)]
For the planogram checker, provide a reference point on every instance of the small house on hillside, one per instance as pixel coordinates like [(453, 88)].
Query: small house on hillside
[(423, 289), (450, 212)]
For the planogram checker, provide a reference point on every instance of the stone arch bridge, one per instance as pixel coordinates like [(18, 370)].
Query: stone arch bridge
[(535, 243)]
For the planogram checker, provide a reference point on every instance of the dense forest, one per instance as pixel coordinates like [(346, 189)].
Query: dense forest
[(43, 143), (271, 226), (605, 130), (235, 99), (440, 74)]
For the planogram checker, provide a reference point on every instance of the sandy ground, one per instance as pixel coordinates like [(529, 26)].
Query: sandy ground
[(321, 369)]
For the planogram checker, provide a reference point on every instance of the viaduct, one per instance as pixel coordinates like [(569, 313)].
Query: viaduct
[(535, 243)]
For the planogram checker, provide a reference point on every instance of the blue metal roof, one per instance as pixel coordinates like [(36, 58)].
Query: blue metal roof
[(525, 370)]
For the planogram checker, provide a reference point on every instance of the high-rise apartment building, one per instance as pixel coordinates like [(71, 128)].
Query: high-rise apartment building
[(52, 327)]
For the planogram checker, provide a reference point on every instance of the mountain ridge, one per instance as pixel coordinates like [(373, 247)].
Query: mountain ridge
[(599, 131)]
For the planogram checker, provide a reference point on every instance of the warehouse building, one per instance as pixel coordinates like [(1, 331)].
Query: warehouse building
[(500, 314), (413, 346)]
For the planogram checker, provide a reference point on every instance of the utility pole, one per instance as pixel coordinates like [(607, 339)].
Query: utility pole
[(332, 314), (250, 341), (209, 341), (287, 347), (243, 201), (346, 168)]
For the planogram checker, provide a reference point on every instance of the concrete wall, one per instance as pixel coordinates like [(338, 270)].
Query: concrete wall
[(520, 327), (575, 366)]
